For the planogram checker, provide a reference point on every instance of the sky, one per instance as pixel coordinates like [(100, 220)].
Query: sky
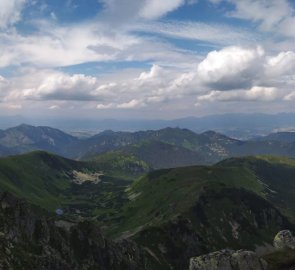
[(146, 59)]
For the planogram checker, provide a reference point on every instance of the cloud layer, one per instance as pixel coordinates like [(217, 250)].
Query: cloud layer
[(230, 74), (170, 65)]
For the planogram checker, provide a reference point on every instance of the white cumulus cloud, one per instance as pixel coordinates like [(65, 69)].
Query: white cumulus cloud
[(281, 64), (230, 68)]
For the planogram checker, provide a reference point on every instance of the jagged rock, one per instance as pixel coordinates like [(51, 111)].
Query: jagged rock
[(228, 260), (284, 239), (34, 241)]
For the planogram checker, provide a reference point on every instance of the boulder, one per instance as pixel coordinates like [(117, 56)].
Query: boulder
[(228, 260), (284, 239)]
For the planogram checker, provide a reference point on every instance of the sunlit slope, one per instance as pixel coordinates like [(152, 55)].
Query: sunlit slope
[(183, 211), (54, 182)]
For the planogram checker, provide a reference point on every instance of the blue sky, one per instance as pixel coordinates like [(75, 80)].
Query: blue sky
[(146, 58)]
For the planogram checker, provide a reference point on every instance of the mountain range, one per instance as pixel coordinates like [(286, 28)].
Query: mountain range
[(237, 125), (143, 151), (141, 200), (164, 218)]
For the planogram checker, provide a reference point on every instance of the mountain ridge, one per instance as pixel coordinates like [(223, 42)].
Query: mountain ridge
[(229, 205), (172, 147), (238, 125), (174, 214)]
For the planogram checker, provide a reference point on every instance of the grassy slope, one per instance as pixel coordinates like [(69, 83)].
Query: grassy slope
[(37, 176), (170, 206), (135, 160), (164, 194), (159, 196), (46, 180), (277, 176), (210, 207), (122, 165)]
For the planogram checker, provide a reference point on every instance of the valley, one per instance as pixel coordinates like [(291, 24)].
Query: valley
[(147, 135), (171, 214)]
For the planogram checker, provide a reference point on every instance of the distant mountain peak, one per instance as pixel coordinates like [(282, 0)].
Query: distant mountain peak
[(23, 126), (215, 134), (211, 132)]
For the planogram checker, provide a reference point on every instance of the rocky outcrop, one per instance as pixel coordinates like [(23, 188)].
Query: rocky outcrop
[(281, 257), (284, 239), (228, 260), (230, 218), (31, 241)]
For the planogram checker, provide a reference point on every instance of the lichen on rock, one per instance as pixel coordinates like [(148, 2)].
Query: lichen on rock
[(228, 260), (284, 239)]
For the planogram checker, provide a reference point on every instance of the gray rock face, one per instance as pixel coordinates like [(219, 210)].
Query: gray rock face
[(228, 260), (33, 241), (284, 239)]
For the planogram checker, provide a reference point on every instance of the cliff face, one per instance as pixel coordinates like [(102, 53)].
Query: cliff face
[(28, 241)]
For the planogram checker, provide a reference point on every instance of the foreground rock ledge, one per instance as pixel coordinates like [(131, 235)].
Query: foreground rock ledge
[(228, 260)]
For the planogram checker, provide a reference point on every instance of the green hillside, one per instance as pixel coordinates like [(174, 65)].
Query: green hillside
[(277, 176), (122, 165), (38, 176), (175, 213), (179, 212), (80, 189), (164, 194), (137, 159)]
